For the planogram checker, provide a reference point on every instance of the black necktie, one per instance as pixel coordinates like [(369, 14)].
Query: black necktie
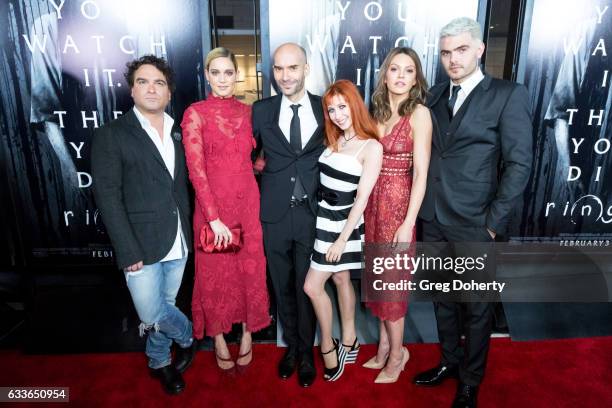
[(453, 99), (295, 134), (295, 140)]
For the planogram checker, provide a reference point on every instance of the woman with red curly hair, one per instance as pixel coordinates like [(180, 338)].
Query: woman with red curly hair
[(349, 169)]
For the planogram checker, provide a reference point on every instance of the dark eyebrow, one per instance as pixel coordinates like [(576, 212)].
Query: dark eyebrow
[(407, 66), (455, 49), (155, 80)]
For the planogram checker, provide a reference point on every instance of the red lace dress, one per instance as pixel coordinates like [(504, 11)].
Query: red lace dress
[(388, 203), (229, 287)]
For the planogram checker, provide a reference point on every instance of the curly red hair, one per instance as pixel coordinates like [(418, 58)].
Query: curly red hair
[(364, 125)]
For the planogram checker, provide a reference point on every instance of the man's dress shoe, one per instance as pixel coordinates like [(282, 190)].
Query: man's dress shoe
[(435, 375), (183, 357), (306, 371), (466, 396), (171, 380), (288, 363)]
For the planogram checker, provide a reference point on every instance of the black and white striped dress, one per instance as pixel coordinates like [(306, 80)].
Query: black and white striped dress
[(339, 177)]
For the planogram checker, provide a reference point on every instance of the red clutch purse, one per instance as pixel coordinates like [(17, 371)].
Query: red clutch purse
[(207, 240)]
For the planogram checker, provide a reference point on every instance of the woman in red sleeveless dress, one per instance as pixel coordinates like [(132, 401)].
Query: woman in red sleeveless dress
[(229, 287), (404, 125)]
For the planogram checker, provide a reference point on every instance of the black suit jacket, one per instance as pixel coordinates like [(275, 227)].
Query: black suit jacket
[(137, 197), (465, 185), (282, 163)]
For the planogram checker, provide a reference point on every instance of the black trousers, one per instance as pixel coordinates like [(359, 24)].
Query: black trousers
[(288, 246), (473, 319)]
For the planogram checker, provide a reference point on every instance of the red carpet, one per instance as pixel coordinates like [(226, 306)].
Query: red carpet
[(559, 373)]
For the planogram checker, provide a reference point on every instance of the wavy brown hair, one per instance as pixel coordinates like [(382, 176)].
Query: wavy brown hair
[(364, 126), (381, 108)]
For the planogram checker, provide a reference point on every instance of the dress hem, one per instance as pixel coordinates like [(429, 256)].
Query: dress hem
[(227, 327)]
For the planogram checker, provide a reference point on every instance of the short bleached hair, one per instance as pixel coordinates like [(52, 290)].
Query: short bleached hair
[(462, 25)]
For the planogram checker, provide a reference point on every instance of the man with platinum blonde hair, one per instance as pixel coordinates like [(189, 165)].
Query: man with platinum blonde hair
[(462, 25), (482, 124)]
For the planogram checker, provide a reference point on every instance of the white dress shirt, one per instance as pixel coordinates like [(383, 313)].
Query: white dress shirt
[(165, 147), (308, 122), (467, 86)]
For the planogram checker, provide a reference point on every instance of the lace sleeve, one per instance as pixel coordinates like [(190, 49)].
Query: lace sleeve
[(194, 154)]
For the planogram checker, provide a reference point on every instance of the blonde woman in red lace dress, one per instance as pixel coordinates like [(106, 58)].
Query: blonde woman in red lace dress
[(404, 125), (229, 287)]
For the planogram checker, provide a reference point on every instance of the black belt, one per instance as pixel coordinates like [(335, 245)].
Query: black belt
[(334, 197), (297, 203)]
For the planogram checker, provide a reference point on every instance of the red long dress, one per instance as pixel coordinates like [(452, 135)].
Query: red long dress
[(388, 203), (229, 287)]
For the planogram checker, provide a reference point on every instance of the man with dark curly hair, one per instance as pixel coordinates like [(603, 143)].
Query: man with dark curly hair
[(140, 187)]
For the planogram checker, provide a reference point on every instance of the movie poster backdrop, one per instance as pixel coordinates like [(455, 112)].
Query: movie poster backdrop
[(565, 64), (61, 77)]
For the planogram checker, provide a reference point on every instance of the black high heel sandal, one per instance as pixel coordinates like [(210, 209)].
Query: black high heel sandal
[(332, 374)]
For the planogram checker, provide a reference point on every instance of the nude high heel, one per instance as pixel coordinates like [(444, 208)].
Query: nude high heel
[(385, 379), (372, 364)]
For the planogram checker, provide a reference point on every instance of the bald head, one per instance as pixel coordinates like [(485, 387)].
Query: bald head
[(290, 70), (292, 49)]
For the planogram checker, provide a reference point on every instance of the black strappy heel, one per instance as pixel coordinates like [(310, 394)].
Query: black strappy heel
[(332, 374)]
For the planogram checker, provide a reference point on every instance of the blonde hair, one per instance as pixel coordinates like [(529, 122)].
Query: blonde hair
[(220, 52), (462, 25)]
